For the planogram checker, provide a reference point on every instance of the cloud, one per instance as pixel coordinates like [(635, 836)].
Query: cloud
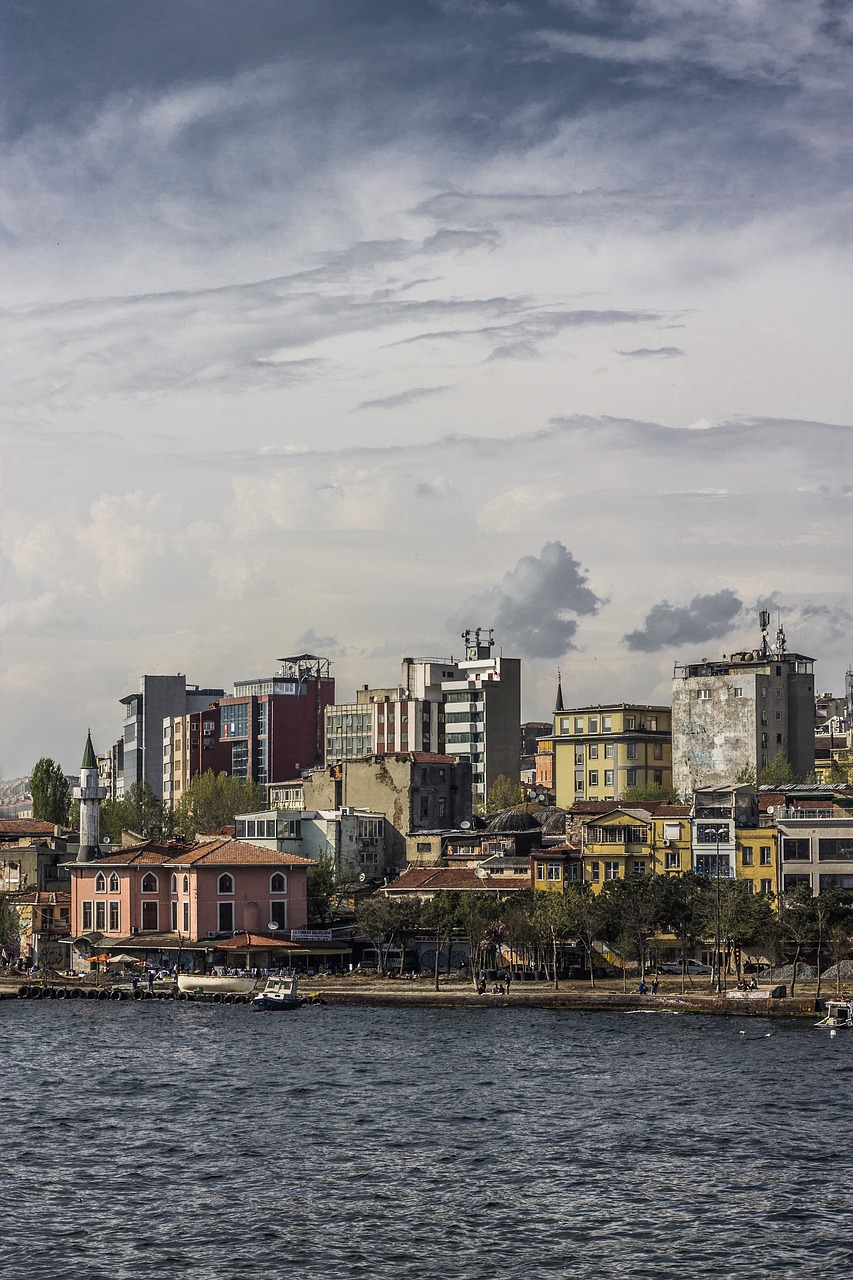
[(706, 617), (403, 398), (529, 609), (660, 353)]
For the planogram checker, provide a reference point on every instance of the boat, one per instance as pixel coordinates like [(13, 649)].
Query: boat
[(211, 984), (279, 993), (839, 1013)]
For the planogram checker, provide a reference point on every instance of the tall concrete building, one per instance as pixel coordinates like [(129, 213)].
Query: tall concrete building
[(737, 714), (158, 698)]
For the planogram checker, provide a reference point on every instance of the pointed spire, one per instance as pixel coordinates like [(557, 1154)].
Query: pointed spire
[(558, 706), (89, 758)]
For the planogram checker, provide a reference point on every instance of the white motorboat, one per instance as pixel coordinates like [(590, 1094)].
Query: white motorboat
[(839, 1013), (211, 984), (279, 993)]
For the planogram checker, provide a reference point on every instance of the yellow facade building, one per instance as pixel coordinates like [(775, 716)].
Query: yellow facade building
[(599, 752), (634, 841), (756, 859)]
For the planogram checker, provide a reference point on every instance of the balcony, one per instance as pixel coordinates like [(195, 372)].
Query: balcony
[(824, 814)]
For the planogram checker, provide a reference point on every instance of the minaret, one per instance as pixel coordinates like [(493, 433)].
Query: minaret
[(90, 794), (558, 705)]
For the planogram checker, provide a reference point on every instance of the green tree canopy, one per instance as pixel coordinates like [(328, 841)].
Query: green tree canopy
[(144, 814), (654, 793), (778, 773), (8, 923), (503, 794), (50, 792), (212, 801)]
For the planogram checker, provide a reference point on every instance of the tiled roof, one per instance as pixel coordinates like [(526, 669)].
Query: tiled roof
[(41, 898), (236, 853), (562, 850), (27, 827), (254, 942), (431, 880)]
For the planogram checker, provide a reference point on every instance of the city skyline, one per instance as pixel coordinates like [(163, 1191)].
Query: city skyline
[(342, 328)]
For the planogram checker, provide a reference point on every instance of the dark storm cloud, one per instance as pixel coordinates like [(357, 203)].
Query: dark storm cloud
[(704, 618), (403, 398), (659, 353), (530, 609)]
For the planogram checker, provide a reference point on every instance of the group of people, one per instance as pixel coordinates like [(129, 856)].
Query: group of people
[(644, 988), (500, 988)]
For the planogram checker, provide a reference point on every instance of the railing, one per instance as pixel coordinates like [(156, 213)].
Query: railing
[(811, 815)]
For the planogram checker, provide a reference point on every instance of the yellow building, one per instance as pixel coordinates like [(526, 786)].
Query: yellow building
[(599, 752), (756, 858), (555, 867), (636, 841)]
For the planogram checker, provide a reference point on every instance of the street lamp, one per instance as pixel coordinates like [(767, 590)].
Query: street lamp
[(718, 833)]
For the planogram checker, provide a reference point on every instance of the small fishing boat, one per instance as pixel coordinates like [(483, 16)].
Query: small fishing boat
[(279, 993), (211, 984), (839, 1013)]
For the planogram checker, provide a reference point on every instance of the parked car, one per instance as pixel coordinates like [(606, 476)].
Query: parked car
[(690, 967)]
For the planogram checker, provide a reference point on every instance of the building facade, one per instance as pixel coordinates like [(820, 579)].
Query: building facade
[(599, 752), (731, 718), (159, 697)]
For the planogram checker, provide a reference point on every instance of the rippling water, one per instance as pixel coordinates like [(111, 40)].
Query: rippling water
[(214, 1143)]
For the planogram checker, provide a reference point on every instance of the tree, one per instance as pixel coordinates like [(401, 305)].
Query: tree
[(653, 793), (586, 920), (798, 924), (212, 801), (50, 792), (9, 925), (503, 794), (683, 906), (745, 775), (778, 773), (382, 919), (322, 898), (553, 921), (144, 814), (637, 904), (441, 916), (476, 917)]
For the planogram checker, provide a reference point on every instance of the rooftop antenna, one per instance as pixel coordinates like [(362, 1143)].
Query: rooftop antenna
[(781, 644), (764, 623)]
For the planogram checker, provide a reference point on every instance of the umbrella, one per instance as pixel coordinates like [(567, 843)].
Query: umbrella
[(102, 959), (123, 959)]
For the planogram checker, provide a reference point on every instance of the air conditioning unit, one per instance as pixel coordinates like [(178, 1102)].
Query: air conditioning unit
[(211, 934), (134, 928), (235, 933)]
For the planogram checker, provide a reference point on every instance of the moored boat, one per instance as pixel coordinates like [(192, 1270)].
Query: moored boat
[(839, 1013), (279, 993), (211, 984)]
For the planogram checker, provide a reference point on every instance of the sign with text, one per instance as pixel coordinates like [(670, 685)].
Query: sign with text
[(311, 935)]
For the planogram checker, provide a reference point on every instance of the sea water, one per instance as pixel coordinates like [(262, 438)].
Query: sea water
[(156, 1140)]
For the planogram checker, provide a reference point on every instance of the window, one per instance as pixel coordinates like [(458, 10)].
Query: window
[(278, 883), (593, 751), (593, 778), (424, 807), (150, 917), (792, 881), (149, 883), (702, 695), (639, 867), (186, 884), (86, 917), (115, 917), (631, 751), (174, 915), (611, 871), (631, 777), (750, 887), (765, 855), (225, 884), (747, 857), (778, 693), (226, 917), (572, 872), (767, 886), (185, 917), (778, 715), (778, 739), (173, 883), (593, 724), (658, 777), (540, 870), (630, 722), (100, 883), (796, 849), (608, 777), (594, 872), (607, 724), (423, 846), (114, 883), (578, 755), (442, 807), (554, 871), (578, 786), (657, 751), (673, 861), (609, 750), (737, 693), (835, 850), (578, 724), (278, 913)]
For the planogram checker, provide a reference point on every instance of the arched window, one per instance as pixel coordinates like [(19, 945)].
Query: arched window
[(278, 883), (100, 883), (186, 884), (226, 883), (149, 883), (114, 883), (174, 883)]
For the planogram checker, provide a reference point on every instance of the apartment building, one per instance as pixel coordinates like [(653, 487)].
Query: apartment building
[(599, 752)]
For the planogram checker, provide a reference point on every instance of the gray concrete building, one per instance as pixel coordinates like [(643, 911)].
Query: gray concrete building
[(159, 697), (736, 714)]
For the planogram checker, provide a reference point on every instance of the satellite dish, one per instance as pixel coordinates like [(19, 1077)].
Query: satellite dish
[(272, 926), (771, 808), (362, 877), (464, 825)]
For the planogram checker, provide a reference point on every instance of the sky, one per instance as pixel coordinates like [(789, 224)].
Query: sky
[(346, 325)]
